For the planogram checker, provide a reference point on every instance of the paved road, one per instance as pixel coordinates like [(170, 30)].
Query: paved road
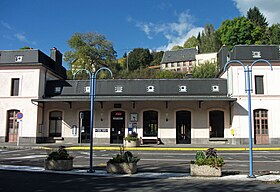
[(156, 161), (45, 182)]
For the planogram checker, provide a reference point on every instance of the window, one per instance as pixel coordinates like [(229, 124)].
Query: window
[(55, 120), (150, 123), (15, 87), (259, 85)]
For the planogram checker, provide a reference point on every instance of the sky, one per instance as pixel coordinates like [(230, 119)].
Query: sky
[(153, 24)]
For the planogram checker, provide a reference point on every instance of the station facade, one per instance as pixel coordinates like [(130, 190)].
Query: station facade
[(178, 111)]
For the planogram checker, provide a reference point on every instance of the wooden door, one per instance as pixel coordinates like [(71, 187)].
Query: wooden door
[(261, 126), (12, 126)]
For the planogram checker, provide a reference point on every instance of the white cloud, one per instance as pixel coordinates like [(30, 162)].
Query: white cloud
[(269, 8), (12, 34), (6, 25), (176, 33), (21, 37)]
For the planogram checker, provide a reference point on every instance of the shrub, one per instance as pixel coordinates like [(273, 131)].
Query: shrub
[(60, 154), (132, 137), (209, 158), (124, 157)]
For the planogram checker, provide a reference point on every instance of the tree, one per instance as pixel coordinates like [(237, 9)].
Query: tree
[(139, 58), (191, 42), (208, 40), (176, 47), (274, 34), (239, 31), (256, 17), (156, 58), (89, 51), (207, 70)]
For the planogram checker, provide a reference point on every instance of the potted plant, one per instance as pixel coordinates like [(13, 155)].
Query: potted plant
[(132, 140), (207, 164), (123, 163), (59, 160)]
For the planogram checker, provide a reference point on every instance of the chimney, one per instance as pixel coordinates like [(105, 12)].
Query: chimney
[(56, 56)]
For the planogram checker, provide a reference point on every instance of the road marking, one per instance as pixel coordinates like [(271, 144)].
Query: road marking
[(14, 151), (26, 157)]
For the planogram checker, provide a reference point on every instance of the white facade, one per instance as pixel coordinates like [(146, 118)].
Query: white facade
[(179, 119), (268, 101), (205, 58)]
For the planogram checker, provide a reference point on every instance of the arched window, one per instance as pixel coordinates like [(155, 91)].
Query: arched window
[(150, 123), (55, 122)]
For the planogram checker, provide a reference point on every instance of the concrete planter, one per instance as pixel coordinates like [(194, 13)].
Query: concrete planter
[(205, 170), (131, 143), (121, 168), (59, 165)]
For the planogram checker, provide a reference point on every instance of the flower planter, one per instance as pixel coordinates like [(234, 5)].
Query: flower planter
[(121, 168), (59, 165), (205, 170), (131, 143)]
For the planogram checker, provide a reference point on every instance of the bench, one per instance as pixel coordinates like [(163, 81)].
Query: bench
[(58, 139), (218, 140)]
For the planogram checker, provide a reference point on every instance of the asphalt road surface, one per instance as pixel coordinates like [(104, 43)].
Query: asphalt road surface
[(155, 161), (45, 182)]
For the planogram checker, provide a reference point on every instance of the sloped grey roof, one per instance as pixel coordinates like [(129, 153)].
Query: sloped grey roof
[(179, 55), (138, 90)]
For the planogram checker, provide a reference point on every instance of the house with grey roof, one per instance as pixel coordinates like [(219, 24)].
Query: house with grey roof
[(182, 60)]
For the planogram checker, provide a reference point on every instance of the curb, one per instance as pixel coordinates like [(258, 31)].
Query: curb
[(117, 148), (175, 148), (99, 173)]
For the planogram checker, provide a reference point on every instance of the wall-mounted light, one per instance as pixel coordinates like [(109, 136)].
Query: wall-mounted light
[(200, 103), (166, 116)]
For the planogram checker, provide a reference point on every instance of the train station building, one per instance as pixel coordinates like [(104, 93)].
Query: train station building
[(39, 105)]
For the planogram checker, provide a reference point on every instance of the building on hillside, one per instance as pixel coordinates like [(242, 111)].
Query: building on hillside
[(206, 58), (182, 60), (179, 111)]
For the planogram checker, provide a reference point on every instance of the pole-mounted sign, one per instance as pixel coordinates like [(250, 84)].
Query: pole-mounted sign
[(19, 115)]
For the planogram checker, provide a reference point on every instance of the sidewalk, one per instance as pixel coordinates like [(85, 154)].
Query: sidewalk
[(100, 173)]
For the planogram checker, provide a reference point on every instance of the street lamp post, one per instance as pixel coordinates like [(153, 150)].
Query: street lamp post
[(248, 88), (92, 76)]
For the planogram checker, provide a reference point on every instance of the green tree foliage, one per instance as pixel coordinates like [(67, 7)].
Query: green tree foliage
[(89, 51), (156, 58), (208, 40), (25, 47), (191, 42), (274, 34), (139, 58), (177, 47), (207, 70), (256, 17), (239, 31), (168, 75)]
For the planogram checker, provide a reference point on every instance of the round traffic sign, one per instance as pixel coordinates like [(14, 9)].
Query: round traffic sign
[(19, 115)]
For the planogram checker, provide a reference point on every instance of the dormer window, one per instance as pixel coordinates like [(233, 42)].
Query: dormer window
[(18, 58), (57, 89)]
